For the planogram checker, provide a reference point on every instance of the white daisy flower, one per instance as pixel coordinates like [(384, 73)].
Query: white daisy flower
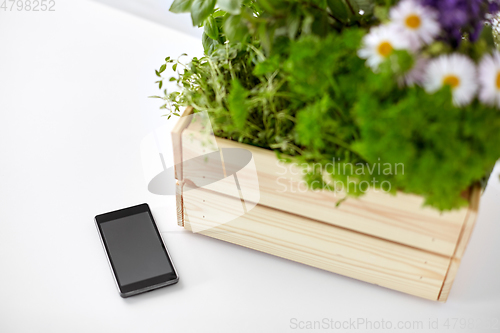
[(379, 44), (489, 79), (456, 71), (419, 24)]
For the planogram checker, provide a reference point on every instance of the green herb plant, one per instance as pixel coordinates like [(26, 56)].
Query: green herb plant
[(285, 75)]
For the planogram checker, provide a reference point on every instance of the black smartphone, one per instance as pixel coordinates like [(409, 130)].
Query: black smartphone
[(135, 250)]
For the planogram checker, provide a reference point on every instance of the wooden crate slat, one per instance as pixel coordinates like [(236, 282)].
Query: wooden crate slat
[(399, 218), (324, 246), (449, 279), (176, 133), (461, 244)]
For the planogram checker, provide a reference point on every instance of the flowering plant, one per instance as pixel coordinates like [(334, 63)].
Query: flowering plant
[(357, 82), (414, 25)]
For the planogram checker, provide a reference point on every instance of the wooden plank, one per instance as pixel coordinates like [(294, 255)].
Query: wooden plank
[(449, 279), (399, 218), (467, 228), (176, 133), (469, 223), (179, 127), (208, 209), (321, 245), (179, 203)]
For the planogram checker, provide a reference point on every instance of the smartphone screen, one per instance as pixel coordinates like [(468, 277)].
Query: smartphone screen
[(135, 250)]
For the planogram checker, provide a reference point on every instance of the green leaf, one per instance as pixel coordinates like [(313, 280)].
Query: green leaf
[(266, 35), (200, 10), (293, 24), (365, 5), (211, 28), (381, 12), (174, 67), (266, 4), (320, 24), (234, 29), (230, 6), (238, 104), (208, 43), (180, 6), (172, 79), (219, 13), (157, 73), (339, 9), (487, 35), (162, 68)]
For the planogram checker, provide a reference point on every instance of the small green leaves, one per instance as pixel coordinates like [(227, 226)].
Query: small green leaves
[(162, 68), (230, 6), (438, 47), (310, 122), (401, 61), (238, 104), (267, 66), (200, 10), (180, 6), (211, 28)]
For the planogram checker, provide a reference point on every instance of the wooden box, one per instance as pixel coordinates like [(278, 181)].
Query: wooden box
[(391, 241)]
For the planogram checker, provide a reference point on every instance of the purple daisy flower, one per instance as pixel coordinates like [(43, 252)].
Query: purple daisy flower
[(459, 16)]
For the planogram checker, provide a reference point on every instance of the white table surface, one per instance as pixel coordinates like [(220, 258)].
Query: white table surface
[(73, 112)]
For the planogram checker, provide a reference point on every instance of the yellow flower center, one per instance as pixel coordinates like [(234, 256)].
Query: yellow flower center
[(498, 81), (452, 80), (385, 49), (413, 21)]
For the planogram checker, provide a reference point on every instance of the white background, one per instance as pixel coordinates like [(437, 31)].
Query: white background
[(73, 112)]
